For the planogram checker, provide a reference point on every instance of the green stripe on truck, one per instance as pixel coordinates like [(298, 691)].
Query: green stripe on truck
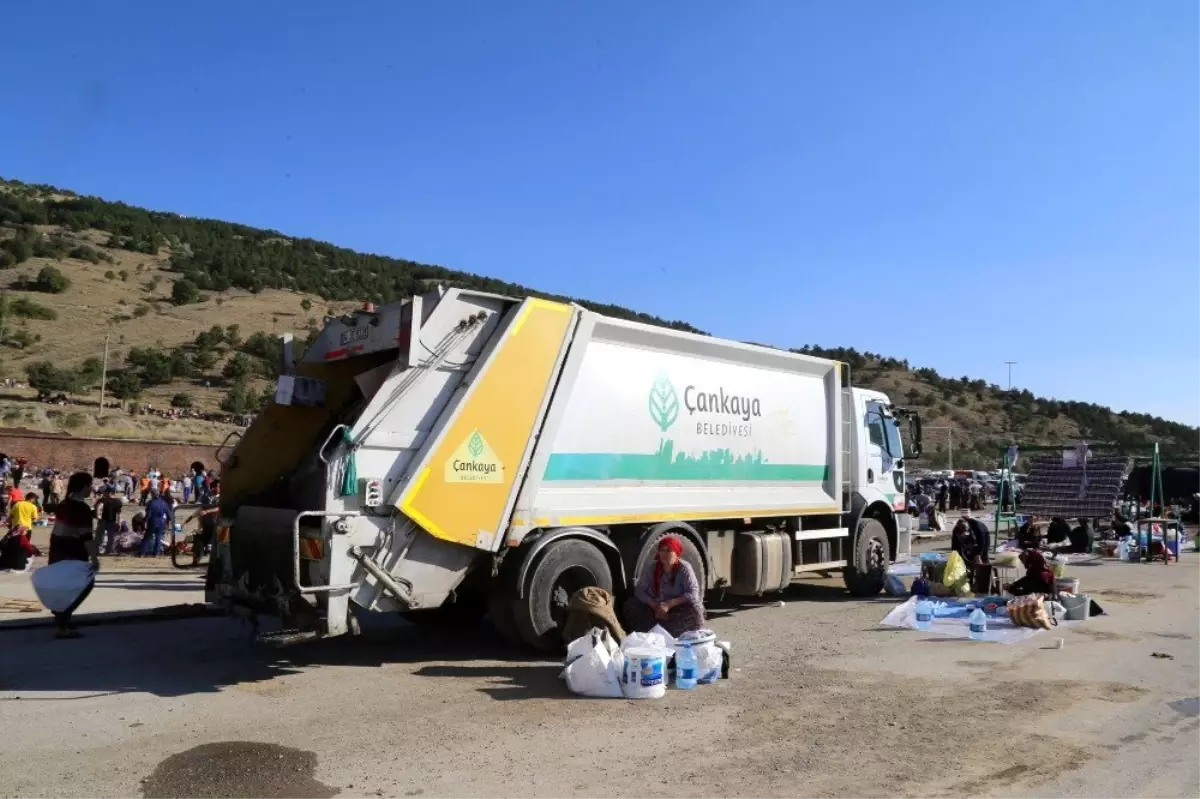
[(716, 464)]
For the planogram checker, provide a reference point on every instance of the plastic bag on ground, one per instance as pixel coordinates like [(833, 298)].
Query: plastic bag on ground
[(956, 577), (598, 672), (646, 641), (666, 636), (59, 585)]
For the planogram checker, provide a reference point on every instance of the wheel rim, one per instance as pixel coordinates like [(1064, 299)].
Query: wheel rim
[(565, 586), (876, 556)]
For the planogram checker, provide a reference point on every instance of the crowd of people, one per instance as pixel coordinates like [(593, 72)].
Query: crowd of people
[(156, 494)]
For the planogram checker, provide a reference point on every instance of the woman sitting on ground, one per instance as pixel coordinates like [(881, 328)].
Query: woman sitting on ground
[(668, 595), (1081, 538), (1039, 577)]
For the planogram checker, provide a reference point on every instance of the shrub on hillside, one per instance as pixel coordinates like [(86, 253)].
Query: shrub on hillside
[(237, 369), (184, 292), (48, 379), (181, 401), (25, 308), (51, 280), (125, 385)]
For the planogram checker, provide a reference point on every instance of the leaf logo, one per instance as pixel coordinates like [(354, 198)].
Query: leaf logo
[(475, 445), (664, 403)]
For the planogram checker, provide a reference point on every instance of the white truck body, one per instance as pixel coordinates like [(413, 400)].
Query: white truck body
[(480, 430)]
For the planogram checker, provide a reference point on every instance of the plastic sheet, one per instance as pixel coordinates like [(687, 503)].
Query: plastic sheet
[(1000, 630)]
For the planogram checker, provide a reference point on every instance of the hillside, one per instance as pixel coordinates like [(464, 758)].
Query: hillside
[(181, 301)]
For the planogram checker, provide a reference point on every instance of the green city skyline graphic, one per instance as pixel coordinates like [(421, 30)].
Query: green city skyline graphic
[(667, 464)]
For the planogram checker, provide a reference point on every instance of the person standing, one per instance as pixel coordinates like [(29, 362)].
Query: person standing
[(186, 487), (23, 513), (108, 513), (73, 539), (159, 514), (943, 497), (208, 514)]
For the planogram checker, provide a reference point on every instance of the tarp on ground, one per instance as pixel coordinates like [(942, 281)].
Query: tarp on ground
[(999, 630)]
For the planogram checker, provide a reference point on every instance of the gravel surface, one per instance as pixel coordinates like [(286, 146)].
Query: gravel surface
[(824, 702)]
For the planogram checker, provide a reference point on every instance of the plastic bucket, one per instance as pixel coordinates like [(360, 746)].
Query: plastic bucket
[(708, 656), (1068, 585), (1076, 607), (645, 673)]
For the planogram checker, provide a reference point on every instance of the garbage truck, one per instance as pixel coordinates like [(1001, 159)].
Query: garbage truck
[(460, 454)]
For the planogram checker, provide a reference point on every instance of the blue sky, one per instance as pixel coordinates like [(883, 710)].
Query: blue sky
[(959, 184)]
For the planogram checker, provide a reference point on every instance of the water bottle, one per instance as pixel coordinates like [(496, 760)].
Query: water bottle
[(1123, 549), (924, 612), (685, 667), (978, 624)]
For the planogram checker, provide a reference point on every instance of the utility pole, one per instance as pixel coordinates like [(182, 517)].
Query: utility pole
[(1010, 366), (103, 375)]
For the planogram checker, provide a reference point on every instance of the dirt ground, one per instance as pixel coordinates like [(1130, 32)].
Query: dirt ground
[(824, 702)]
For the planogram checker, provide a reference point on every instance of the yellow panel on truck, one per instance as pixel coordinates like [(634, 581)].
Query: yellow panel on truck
[(465, 485)]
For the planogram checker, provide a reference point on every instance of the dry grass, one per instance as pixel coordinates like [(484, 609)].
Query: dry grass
[(135, 312)]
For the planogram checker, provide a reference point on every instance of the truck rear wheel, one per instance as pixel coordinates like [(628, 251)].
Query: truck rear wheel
[(867, 569), (564, 567)]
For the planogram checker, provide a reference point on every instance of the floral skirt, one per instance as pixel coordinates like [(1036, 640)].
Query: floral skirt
[(639, 618)]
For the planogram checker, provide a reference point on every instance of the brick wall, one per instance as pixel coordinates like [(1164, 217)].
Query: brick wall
[(61, 451)]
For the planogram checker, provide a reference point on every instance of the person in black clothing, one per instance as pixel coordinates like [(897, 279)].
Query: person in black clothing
[(1120, 527), (16, 550), (1081, 538), (1029, 536), (108, 511), (943, 496), (1058, 531), (970, 539), (955, 495), (208, 514)]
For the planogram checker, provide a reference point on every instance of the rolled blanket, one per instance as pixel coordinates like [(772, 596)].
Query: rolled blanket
[(591, 607)]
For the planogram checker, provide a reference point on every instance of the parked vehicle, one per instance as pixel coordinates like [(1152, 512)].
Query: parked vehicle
[(460, 453)]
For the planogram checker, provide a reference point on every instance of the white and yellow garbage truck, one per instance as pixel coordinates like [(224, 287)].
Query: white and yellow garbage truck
[(462, 453)]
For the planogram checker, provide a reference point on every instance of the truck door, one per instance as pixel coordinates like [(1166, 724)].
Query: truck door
[(885, 455)]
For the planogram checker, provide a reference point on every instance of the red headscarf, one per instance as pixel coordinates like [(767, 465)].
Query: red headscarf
[(1035, 564), (672, 544)]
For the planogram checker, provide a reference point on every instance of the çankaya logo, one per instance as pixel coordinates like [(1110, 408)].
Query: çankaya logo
[(474, 462), (664, 403)]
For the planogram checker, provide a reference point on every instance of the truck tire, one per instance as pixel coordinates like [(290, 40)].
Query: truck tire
[(649, 550), (501, 615), (867, 569), (564, 567)]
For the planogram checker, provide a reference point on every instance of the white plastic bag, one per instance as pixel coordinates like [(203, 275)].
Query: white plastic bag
[(668, 639), (646, 641), (597, 673), (58, 586)]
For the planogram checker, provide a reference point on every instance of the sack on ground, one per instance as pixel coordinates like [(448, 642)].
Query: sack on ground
[(1029, 611), (59, 585)]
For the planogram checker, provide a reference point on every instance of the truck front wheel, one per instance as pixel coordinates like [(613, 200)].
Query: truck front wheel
[(867, 569), (563, 568)]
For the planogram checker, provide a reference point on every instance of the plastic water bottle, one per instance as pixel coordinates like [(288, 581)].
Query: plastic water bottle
[(924, 614), (1123, 549), (685, 667), (978, 624)]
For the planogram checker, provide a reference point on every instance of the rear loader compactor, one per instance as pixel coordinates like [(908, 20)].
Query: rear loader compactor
[(461, 453)]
